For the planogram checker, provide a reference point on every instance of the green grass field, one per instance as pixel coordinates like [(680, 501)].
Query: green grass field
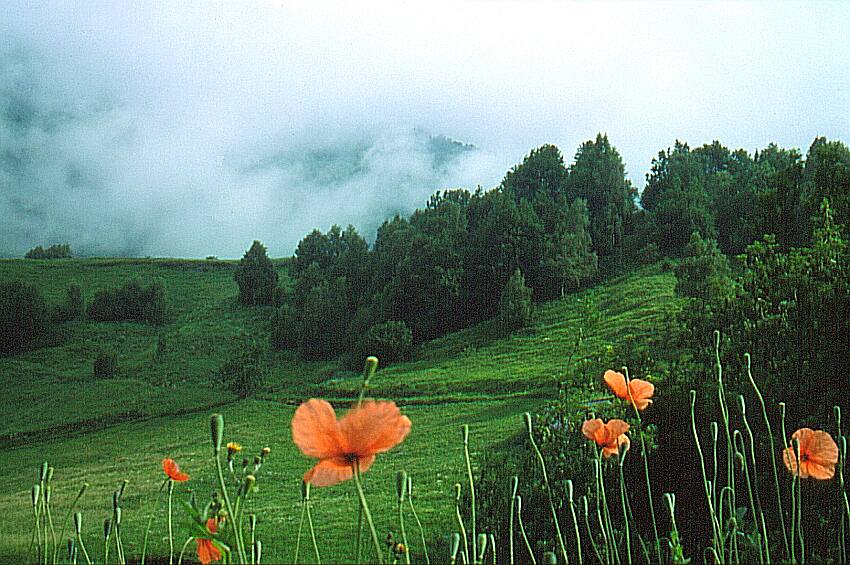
[(103, 431)]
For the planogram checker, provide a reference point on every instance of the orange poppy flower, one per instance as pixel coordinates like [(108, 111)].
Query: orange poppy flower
[(173, 471), (609, 436), (207, 551), (818, 454), (641, 391), (371, 428)]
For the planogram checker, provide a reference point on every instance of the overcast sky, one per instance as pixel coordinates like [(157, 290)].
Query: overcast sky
[(190, 129)]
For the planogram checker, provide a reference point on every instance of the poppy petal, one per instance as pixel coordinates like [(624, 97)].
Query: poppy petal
[(212, 525), (207, 552), (590, 428), (641, 392), (822, 448), (611, 450), (315, 430), (617, 383), (173, 471), (374, 427), (616, 428), (329, 472)]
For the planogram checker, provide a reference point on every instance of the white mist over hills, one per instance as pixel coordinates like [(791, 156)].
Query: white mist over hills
[(193, 128)]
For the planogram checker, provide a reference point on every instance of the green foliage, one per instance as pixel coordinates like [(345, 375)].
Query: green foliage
[(324, 319), (24, 317), (826, 176), (132, 301), (390, 342), (60, 251), (285, 328), (704, 273), (515, 306), (244, 374), (105, 365), (541, 174), (256, 277), (74, 306), (598, 176)]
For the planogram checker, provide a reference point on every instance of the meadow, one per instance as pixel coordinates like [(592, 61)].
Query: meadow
[(106, 431)]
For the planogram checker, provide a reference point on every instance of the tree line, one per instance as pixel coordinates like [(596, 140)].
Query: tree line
[(557, 227)]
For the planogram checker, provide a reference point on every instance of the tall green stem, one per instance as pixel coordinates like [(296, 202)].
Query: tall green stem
[(522, 529), (170, 530), (237, 531), (416, 517), (460, 524), (150, 521), (366, 513), (572, 506), (549, 494), (471, 487), (717, 532), (772, 456)]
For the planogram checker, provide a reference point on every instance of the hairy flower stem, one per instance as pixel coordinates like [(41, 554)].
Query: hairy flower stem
[(170, 529), (312, 533), (465, 553), (842, 457), (717, 531), (741, 457), (796, 445), (644, 456), (599, 520), (240, 550), (300, 529), (593, 545), (772, 458), (794, 478), (471, 487), (730, 455), (607, 511), (150, 521), (183, 550), (623, 500), (549, 494), (758, 515), (522, 529), (514, 486), (572, 506), (416, 517), (366, 513)]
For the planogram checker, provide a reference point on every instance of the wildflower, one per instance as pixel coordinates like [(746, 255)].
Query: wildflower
[(265, 452), (173, 471), (207, 551), (233, 447), (818, 454), (609, 436), (366, 430), (639, 392)]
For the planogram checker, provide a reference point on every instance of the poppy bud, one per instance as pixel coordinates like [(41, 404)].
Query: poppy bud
[(107, 528), (50, 474), (42, 473), (369, 369), (465, 434), (584, 504), (305, 491), (78, 522), (48, 490), (527, 418), (258, 551), (121, 489), (455, 545), (116, 501), (36, 495), (252, 521), (514, 486), (518, 504), (714, 430), (72, 549), (492, 539), (570, 491), (457, 492), (250, 481), (83, 488), (550, 558), (409, 486), (401, 485), (216, 432), (742, 405), (118, 516), (482, 546)]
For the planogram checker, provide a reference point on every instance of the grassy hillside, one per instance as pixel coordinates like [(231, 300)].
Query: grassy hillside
[(105, 431)]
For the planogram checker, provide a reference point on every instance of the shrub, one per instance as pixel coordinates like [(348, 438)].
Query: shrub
[(130, 302), (390, 342), (515, 307), (244, 374), (105, 365), (256, 277), (24, 317), (285, 328), (74, 306), (62, 251)]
